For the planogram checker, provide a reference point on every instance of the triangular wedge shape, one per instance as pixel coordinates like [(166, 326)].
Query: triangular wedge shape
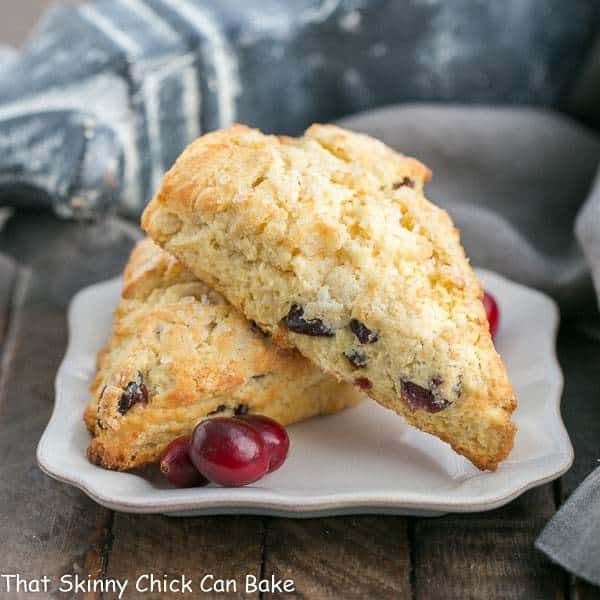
[(327, 242), (180, 353)]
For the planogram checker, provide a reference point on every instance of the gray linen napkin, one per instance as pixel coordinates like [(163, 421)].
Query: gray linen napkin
[(572, 537), (521, 185)]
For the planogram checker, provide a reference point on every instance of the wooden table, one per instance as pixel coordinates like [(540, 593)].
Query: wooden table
[(48, 528)]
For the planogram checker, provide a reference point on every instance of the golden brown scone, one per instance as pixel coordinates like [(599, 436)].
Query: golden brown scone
[(328, 242), (179, 353)]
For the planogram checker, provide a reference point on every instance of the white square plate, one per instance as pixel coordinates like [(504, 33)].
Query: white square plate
[(363, 460)]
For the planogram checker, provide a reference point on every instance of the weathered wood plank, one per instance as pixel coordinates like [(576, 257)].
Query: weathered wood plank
[(48, 528), (341, 557), (578, 354), (8, 270), (64, 257), (582, 590), (227, 547), (487, 555)]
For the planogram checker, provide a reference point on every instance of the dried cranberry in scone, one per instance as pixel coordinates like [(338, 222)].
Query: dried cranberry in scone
[(296, 322), (357, 359), (135, 392), (362, 332), (404, 182), (420, 398), (363, 383), (241, 409)]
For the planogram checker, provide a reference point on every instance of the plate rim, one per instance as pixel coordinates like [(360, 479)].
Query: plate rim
[(290, 506)]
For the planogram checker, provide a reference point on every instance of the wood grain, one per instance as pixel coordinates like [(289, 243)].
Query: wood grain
[(228, 547), (582, 590), (341, 557), (48, 528), (8, 272), (488, 555), (578, 354)]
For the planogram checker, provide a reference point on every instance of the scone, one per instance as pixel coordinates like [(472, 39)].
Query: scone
[(179, 353), (328, 243)]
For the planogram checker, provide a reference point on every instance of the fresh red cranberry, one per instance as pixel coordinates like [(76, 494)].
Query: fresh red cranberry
[(229, 451), (274, 436), (492, 311), (176, 466)]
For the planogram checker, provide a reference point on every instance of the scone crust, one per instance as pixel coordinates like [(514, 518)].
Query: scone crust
[(335, 224), (196, 355)]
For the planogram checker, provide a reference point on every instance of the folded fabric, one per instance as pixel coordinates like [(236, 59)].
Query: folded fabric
[(146, 77), (572, 537)]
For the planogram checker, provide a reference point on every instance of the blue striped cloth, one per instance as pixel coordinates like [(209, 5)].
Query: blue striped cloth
[(142, 78)]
